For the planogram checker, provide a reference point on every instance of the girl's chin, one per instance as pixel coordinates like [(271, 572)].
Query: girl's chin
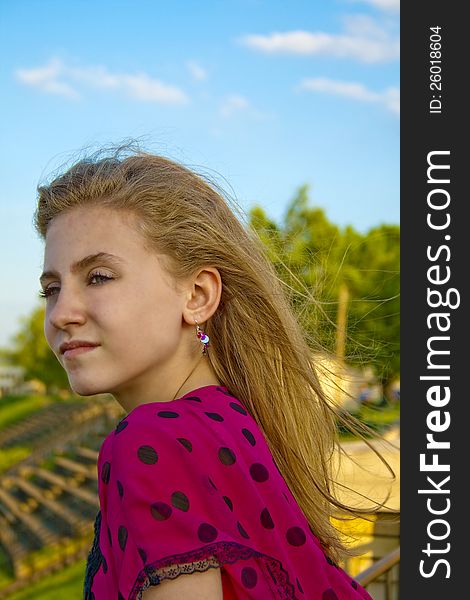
[(86, 389)]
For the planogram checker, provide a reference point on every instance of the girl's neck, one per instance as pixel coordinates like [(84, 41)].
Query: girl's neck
[(201, 374), (194, 376)]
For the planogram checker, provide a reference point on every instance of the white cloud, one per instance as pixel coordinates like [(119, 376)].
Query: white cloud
[(363, 39), (236, 104), (197, 72), (93, 76), (338, 88), (390, 98), (46, 79), (143, 87), (233, 104), (390, 5), (58, 78)]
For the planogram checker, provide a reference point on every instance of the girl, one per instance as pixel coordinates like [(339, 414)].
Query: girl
[(156, 293)]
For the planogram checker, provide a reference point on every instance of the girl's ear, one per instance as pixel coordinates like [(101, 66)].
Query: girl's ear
[(203, 294)]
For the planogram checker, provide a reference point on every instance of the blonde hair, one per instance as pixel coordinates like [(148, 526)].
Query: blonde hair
[(258, 348)]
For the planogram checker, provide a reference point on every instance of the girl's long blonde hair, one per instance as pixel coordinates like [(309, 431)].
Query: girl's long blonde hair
[(258, 348)]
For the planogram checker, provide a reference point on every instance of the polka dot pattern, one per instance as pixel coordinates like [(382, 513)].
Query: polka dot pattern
[(266, 519), (193, 398), (259, 472), (186, 443), (227, 456), (143, 555), (105, 472), (122, 537), (180, 501), (242, 531), (160, 511), (147, 455), (330, 561), (238, 408), (207, 533), (329, 594), (228, 502), (215, 416), (296, 536), (225, 391), (249, 436), (249, 577), (167, 414), (121, 426), (176, 452)]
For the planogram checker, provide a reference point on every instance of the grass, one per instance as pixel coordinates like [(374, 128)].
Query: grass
[(67, 583), (14, 409), (380, 415), (377, 418), (13, 455)]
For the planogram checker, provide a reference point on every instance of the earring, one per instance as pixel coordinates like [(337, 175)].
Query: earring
[(203, 337)]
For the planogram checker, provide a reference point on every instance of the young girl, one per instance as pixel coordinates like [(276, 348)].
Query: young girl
[(220, 470)]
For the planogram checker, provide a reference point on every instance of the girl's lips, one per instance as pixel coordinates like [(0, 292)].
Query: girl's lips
[(76, 351)]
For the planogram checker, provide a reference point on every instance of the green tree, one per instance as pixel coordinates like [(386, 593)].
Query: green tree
[(375, 285), (31, 351), (316, 260)]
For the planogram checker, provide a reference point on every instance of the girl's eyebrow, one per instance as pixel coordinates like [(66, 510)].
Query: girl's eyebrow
[(83, 263)]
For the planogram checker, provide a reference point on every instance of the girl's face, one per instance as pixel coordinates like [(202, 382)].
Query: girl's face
[(104, 288)]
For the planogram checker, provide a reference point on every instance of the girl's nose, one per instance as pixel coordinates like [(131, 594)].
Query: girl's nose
[(67, 309)]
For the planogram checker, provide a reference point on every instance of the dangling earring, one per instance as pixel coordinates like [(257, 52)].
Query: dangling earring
[(203, 338)]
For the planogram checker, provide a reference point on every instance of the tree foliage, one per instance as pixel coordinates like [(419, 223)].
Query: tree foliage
[(314, 258), (31, 351)]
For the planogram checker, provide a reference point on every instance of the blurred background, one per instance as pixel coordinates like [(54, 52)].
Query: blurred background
[(293, 109)]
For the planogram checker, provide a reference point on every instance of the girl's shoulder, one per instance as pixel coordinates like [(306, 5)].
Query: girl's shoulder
[(207, 430), (213, 402), (206, 438), (201, 419)]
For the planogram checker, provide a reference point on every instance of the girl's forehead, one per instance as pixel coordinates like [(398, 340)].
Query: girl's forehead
[(79, 233), (93, 212), (85, 222)]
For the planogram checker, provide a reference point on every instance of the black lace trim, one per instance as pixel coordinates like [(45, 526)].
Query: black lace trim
[(207, 557), (94, 561)]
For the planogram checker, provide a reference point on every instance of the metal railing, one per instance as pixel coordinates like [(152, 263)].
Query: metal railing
[(380, 567)]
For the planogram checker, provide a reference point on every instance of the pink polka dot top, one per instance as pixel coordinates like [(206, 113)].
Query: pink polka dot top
[(189, 485)]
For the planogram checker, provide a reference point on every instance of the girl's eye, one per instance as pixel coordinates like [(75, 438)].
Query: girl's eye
[(49, 291), (94, 279), (99, 277)]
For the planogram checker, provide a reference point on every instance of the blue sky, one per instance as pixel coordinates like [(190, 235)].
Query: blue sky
[(263, 96)]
